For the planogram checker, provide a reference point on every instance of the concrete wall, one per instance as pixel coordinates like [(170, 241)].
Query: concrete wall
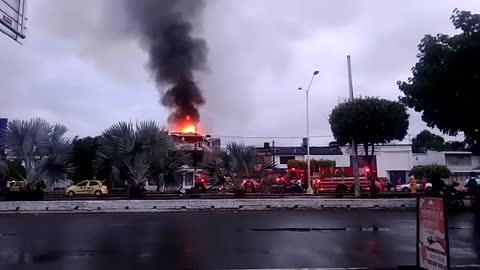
[(393, 158), (77, 206)]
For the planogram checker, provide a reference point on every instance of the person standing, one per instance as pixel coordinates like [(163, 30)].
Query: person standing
[(382, 185), (413, 184), (472, 185), (424, 183)]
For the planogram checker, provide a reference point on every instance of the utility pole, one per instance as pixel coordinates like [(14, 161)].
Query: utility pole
[(195, 156), (273, 156), (354, 144)]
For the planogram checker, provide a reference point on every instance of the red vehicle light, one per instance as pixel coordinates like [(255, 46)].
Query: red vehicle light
[(367, 169), (293, 169), (278, 179), (203, 180)]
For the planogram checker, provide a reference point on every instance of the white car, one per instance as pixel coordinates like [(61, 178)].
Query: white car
[(406, 187)]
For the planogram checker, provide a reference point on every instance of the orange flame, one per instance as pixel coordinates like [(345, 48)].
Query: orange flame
[(189, 129), (187, 126)]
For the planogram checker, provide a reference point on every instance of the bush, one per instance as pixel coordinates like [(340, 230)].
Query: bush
[(430, 171)]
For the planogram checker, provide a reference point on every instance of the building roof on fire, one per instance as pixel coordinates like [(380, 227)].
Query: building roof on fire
[(298, 150)]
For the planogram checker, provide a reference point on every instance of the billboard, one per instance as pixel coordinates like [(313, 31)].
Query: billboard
[(12, 18), (432, 234)]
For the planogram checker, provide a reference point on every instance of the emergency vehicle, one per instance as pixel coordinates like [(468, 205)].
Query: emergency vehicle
[(333, 179), (340, 180)]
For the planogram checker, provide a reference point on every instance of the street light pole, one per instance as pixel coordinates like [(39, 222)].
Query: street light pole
[(309, 180), (356, 177)]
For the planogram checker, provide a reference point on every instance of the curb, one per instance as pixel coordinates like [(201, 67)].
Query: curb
[(136, 206)]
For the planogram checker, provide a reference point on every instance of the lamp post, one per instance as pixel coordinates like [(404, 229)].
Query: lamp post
[(309, 190)]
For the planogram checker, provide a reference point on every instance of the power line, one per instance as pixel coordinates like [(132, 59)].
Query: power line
[(268, 137)]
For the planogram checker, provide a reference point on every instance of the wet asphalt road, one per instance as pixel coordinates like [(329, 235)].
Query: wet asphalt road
[(220, 240)]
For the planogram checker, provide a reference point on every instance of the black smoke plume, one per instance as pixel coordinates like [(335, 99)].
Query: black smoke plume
[(165, 28)]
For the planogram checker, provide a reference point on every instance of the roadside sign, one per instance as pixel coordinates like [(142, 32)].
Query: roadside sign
[(432, 234)]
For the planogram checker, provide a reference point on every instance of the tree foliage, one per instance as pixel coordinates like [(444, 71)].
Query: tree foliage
[(315, 165), (236, 163), (430, 171), (427, 140), (369, 121), (139, 152), (40, 147), (83, 154), (445, 81)]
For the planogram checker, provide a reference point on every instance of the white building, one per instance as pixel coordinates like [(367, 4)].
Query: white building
[(460, 163)]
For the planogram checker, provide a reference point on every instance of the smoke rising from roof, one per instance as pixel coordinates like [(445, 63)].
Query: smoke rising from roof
[(165, 29)]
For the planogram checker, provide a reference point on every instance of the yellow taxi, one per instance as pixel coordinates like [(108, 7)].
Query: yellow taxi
[(17, 186), (88, 187)]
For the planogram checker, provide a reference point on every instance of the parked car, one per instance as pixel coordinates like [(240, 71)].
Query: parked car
[(406, 187), (17, 186), (21, 190), (88, 187)]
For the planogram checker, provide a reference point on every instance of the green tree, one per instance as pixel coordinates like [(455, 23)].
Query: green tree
[(369, 121), (297, 164), (455, 146), (40, 147), (137, 153), (229, 167), (16, 170), (315, 165), (426, 140), (83, 154), (445, 81), (430, 171)]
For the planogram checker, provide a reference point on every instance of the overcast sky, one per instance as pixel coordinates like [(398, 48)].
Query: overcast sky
[(77, 67)]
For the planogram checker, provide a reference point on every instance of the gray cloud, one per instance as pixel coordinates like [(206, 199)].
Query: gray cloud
[(81, 65)]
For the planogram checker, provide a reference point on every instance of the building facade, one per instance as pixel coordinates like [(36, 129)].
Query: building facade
[(460, 163)]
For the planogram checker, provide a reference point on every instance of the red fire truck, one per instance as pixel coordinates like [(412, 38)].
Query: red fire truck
[(340, 179), (334, 179)]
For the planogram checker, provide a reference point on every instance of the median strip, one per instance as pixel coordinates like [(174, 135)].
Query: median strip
[(78, 206)]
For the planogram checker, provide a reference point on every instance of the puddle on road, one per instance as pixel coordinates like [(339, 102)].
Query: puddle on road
[(19, 256), (373, 228), (7, 234)]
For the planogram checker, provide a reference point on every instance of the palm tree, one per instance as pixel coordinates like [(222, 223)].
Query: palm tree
[(137, 153), (40, 147), (236, 163)]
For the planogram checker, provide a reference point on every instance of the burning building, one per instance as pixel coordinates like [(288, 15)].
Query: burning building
[(192, 141)]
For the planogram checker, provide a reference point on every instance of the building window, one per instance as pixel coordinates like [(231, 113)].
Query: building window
[(285, 159), (458, 159)]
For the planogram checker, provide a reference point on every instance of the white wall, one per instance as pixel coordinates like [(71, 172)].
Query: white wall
[(431, 157), (476, 162), (393, 158)]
